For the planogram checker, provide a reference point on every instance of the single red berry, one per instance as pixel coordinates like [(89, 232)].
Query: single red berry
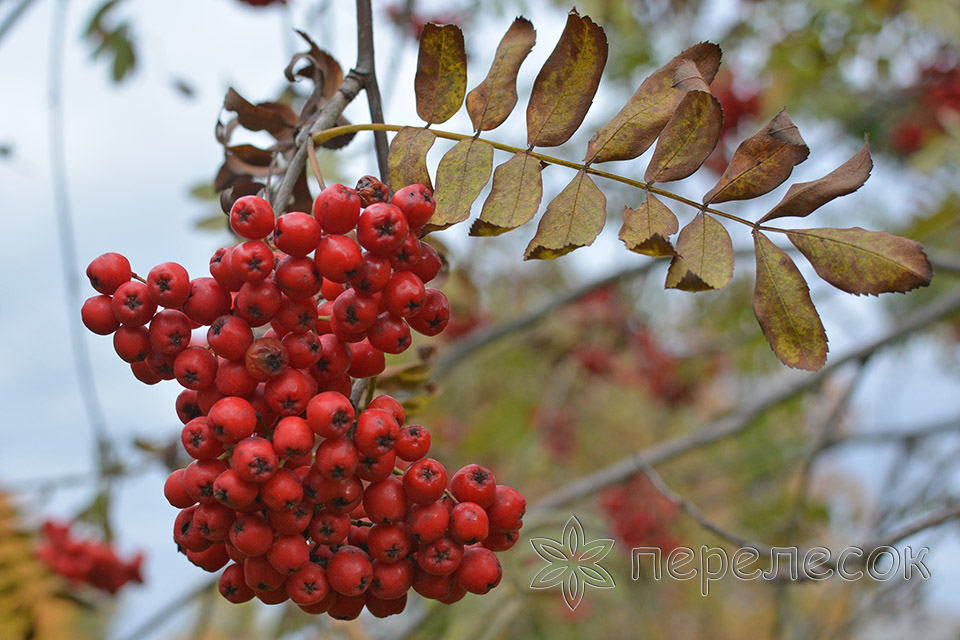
[(260, 576), (329, 527), (142, 372), (434, 314), (132, 305), (198, 440), (382, 228), (376, 432), (252, 261), (329, 290), (468, 523), (413, 442), (436, 587), (337, 208), (233, 379), (254, 459), (211, 560), (506, 512), (391, 405), (441, 557), (288, 393), (229, 337), (288, 554), (168, 285), (391, 579), (232, 585), (338, 329), (170, 331), (214, 521), (208, 397), (297, 234), (132, 344), (366, 361), (282, 491), (377, 468), (186, 536), (474, 483), (258, 303), (380, 608), (207, 301), (232, 419), (389, 542), (298, 278), (160, 364), (373, 275), (429, 264), (187, 405), (349, 571), (251, 217), (330, 414), (338, 258), (385, 501), (501, 540), (297, 316), (308, 585), (407, 255), (195, 368), (479, 571), (355, 312), (417, 203), (198, 479), (404, 294), (97, 315), (291, 521), (348, 495), (292, 437), (425, 480), (233, 491), (108, 271), (222, 272), (428, 522), (175, 492), (304, 350), (457, 593), (337, 458), (389, 334), (251, 535)]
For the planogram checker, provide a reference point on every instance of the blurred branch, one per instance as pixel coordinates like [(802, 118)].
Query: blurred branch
[(895, 436), (738, 421), (465, 347), (15, 14)]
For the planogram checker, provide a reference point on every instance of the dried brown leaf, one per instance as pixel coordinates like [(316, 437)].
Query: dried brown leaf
[(441, 78), (782, 304), (864, 262), (762, 162), (514, 197), (407, 162), (565, 86), (804, 198), (273, 117), (461, 175), (572, 220), (492, 100), (704, 257), (646, 229), (639, 122)]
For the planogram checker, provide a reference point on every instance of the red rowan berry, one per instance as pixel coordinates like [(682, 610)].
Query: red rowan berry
[(373, 468), (297, 234), (429, 264), (413, 442), (506, 512), (389, 334), (132, 344), (298, 278), (214, 521), (440, 557), (366, 361), (282, 491), (389, 542), (211, 560), (232, 585), (382, 228), (252, 261), (97, 315), (288, 554), (376, 432), (195, 368), (108, 271), (474, 483), (434, 314), (337, 458), (175, 492), (417, 203), (168, 285), (254, 459), (349, 571), (330, 414), (233, 491), (380, 608), (404, 294), (391, 579), (329, 527), (258, 303), (308, 585), (428, 522), (260, 576), (132, 305), (221, 270), (291, 521), (251, 535), (198, 440), (385, 501), (232, 419), (292, 437), (229, 337), (468, 523), (207, 301), (251, 217), (233, 379), (198, 479), (338, 259), (425, 480), (288, 393)]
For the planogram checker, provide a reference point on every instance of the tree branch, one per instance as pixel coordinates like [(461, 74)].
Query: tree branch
[(366, 67), (740, 420), (15, 14)]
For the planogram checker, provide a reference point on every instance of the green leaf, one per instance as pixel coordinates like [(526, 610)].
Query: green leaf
[(782, 304), (124, 57), (572, 220), (646, 229), (864, 262), (762, 162), (407, 162), (804, 198), (565, 86), (441, 78), (704, 257), (492, 100), (639, 122), (514, 198), (688, 138), (462, 173)]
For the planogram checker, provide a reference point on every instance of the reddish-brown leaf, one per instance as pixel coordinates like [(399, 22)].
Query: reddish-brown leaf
[(804, 198), (492, 100), (441, 78), (704, 257), (565, 86), (514, 197), (646, 229), (461, 176), (572, 220), (273, 117), (782, 304), (864, 262), (688, 138), (762, 162), (407, 162), (639, 122)]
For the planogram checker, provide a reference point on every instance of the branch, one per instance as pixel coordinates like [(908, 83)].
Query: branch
[(366, 67), (896, 436), (15, 14), (740, 420)]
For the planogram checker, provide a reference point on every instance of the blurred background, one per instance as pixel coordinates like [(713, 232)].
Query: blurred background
[(549, 370)]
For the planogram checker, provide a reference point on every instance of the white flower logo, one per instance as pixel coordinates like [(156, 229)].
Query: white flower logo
[(572, 564)]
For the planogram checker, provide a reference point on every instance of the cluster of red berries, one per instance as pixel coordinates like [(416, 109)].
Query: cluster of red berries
[(89, 561), (641, 516), (313, 500), (934, 102)]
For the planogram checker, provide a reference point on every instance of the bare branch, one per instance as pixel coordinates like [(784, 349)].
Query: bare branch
[(366, 68), (738, 421)]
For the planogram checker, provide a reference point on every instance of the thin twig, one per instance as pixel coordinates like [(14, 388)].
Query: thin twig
[(738, 421), (366, 66), (951, 425), (13, 16)]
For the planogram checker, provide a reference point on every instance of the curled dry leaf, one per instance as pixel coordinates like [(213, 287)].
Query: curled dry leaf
[(275, 118), (762, 162), (704, 257), (514, 197), (407, 161), (804, 198), (492, 100), (782, 304), (565, 86), (572, 220), (646, 229), (864, 262), (640, 121), (441, 78), (462, 173)]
